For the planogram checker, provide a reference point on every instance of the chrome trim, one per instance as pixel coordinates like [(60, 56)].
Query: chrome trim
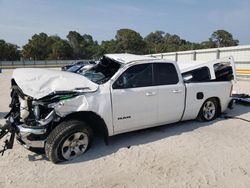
[(25, 132), (47, 119)]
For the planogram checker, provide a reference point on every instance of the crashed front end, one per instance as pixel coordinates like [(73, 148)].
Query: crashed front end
[(32, 119), (39, 100)]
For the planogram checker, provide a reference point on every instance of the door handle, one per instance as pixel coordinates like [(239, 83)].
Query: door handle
[(150, 93), (177, 91)]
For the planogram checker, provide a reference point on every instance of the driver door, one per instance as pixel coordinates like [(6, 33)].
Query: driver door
[(134, 99)]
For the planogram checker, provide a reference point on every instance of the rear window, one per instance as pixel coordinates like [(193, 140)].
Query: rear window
[(166, 74)]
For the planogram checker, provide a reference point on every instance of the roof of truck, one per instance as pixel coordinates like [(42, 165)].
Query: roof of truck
[(128, 58), (184, 66)]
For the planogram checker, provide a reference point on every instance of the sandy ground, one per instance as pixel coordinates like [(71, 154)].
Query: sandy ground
[(187, 154)]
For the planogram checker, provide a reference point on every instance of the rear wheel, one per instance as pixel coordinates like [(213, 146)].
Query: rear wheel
[(209, 110), (68, 140)]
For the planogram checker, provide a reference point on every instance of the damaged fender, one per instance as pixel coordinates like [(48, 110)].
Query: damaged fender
[(63, 108)]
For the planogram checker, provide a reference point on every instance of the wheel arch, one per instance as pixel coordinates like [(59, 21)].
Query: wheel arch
[(218, 102), (95, 121)]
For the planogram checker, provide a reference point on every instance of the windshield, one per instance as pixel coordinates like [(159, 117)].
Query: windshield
[(82, 63), (74, 68), (103, 71)]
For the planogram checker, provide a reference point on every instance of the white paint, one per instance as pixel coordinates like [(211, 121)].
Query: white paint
[(39, 83)]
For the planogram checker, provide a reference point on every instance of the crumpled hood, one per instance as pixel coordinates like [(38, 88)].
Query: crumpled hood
[(39, 83)]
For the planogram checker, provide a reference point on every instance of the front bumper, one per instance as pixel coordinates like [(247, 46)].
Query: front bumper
[(31, 137)]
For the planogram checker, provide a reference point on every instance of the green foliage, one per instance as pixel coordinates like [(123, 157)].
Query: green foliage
[(129, 41), (159, 42), (155, 42), (61, 50), (107, 47), (84, 47), (222, 38), (8, 51), (38, 47), (77, 46)]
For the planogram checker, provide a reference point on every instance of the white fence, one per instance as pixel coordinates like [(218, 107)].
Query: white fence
[(38, 63), (241, 56)]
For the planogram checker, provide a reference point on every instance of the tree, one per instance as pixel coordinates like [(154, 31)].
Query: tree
[(8, 51), (222, 38), (208, 44), (61, 50), (41, 47), (129, 41), (78, 46), (155, 37), (155, 42), (38, 47), (107, 47), (84, 47)]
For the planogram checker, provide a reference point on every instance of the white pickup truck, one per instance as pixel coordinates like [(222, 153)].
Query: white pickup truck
[(60, 111)]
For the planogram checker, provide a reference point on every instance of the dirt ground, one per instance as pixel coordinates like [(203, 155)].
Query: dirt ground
[(187, 154)]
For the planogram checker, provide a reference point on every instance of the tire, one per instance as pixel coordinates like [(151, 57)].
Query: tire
[(68, 140), (209, 110)]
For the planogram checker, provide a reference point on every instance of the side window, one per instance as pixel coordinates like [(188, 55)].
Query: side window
[(135, 76), (197, 75), (166, 74)]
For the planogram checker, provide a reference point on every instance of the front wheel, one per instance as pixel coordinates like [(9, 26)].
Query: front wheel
[(209, 110), (68, 140)]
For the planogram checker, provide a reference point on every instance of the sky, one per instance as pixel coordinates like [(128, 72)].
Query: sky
[(193, 20)]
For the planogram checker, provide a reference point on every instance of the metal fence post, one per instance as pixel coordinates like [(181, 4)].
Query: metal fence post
[(217, 54), (176, 56), (194, 55)]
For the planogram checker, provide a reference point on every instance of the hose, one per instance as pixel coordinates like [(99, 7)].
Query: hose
[(235, 117)]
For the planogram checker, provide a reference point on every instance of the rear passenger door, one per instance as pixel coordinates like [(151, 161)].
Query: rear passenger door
[(171, 93)]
